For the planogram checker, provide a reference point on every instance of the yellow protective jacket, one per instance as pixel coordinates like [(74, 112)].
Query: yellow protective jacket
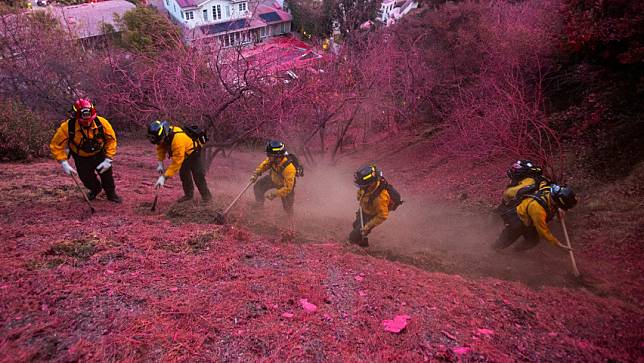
[(374, 205), (511, 192), (282, 176), (533, 214), (60, 141), (180, 148)]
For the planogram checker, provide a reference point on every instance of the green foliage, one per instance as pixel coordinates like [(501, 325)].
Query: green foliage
[(145, 30), (23, 134)]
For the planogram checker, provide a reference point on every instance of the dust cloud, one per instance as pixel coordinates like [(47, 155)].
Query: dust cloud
[(426, 231)]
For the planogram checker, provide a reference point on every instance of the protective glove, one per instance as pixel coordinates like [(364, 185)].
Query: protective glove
[(271, 195), (160, 182), (160, 168), (104, 166), (67, 168), (364, 231), (253, 178)]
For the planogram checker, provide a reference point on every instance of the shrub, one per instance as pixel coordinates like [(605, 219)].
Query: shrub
[(23, 134)]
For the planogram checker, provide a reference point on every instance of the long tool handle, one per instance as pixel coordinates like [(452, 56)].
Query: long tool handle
[(361, 219), (82, 192), (156, 198), (572, 256), (237, 198)]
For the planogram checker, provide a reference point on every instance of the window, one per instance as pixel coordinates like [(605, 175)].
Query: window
[(283, 28), (227, 11), (189, 15), (262, 32), (242, 7), (216, 12), (205, 15)]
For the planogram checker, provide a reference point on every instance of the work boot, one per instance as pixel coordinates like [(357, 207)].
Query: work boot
[(113, 197), (185, 198), (92, 194)]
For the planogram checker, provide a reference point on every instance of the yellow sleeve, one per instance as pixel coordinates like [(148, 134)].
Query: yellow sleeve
[(60, 142), (110, 138), (511, 192), (288, 176), (179, 150), (161, 151), (383, 210), (263, 166), (538, 216)]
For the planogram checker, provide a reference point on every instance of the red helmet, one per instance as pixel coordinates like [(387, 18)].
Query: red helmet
[(84, 111)]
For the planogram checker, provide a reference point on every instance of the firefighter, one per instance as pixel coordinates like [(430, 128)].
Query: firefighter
[(530, 218), (376, 198), (185, 154), (284, 169), (525, 178), (91, 141)]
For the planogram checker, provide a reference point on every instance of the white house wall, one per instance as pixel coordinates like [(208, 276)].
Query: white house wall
[(229, 11)]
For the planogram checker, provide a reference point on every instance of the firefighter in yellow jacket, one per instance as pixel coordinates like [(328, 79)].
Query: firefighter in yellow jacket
[(281, 180), (530, 218), (525, 177), (377, 198), (91, 141), (185, 154)]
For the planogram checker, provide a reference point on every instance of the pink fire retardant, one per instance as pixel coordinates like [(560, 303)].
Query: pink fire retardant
[(397, 325)]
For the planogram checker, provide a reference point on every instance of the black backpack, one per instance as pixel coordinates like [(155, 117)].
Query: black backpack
[(196, 133), (87, 145), (292, 159), (396, 198)]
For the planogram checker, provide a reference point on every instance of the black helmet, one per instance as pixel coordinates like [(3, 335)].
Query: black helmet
[(367, 175), (158, 131), (563, 196), (275, 148), (523, 169)]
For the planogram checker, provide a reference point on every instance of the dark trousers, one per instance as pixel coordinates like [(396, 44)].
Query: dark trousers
[(86, 168), (193, 168), (514, 229), (356, 235), (265, 184)]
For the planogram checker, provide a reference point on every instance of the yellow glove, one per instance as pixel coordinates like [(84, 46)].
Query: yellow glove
[(253, 178), (365, 231), (271, 195)]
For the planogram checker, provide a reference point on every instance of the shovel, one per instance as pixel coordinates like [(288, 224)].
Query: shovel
[(220, 218), (83, 193), (572, 256), (156, 198)]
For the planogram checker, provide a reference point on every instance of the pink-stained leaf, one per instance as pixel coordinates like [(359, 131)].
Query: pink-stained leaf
[(173, 289), (486, 331), (359, 278), (461, 350), (397, 324), (109, 271), (362, 293), (306, 305), (288, 315)]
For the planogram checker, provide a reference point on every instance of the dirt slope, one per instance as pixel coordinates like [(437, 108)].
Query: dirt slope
[(129, 284)]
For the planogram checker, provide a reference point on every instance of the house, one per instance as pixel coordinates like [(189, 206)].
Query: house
[(229, 22), (392, 10), (86, 21)]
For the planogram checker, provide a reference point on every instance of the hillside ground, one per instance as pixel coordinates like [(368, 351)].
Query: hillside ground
[(130, 284)]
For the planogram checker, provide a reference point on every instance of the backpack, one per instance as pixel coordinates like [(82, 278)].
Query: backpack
[(196, 133), (396, 198), (87, 145), (292, 159)]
